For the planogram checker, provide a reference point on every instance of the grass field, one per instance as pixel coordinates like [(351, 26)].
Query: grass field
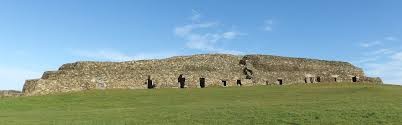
[(294, 104)]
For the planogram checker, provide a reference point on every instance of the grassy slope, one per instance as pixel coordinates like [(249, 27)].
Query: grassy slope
[(296, 104)]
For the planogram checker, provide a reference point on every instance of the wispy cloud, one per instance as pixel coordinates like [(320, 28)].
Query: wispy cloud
[(196, 16), (378, 42), (111, 55), (231, 35), (205, 35), (161, 55), (382, 51), (268, 25), (370, 44), (390, 38), (366, 60), (378, 52), (390, 70), (189, 28), (14, 78), (397, 57), (384, 62)]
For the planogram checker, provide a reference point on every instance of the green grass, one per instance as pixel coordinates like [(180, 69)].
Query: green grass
[(294, 104)]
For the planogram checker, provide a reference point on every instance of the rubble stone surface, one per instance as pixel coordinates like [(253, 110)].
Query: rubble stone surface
[(10, 93), (215, 69)]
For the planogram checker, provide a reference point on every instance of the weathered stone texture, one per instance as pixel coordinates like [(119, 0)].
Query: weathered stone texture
[(10, 93), (215, 68)]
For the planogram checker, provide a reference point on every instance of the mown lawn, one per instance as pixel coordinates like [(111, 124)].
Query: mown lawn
[(294, 104)]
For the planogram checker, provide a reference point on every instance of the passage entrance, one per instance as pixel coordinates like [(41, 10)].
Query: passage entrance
[(202, 82), (182, 81), (238, 82), (280, 81), (149, 82), (354, 79), (224, 82), (318, 79)]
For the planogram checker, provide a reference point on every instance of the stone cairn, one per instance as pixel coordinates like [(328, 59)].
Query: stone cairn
[(196, 71)]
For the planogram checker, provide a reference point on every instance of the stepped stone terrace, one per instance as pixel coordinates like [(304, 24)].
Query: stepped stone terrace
[(196, 71)]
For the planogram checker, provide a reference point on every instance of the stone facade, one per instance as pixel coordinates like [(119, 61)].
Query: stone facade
[(195, 71), (10, 93)]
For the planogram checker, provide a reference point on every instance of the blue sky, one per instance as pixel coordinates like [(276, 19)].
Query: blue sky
[(41, 35)]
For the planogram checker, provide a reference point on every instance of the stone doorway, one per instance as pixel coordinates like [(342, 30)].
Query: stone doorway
[(182, 81), (318, 79), (224, 82), (280, 81), (335, 79), (202, 82), (354, 79), (150, 83), (238, 82)]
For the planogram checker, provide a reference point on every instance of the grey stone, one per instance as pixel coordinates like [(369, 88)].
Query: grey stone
[(215, 68)]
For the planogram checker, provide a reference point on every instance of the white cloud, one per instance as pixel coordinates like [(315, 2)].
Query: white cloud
[(385, 62), (397, 57), (268, 24), (196, 15), (110, 55), (205, 36), (383, 51), (14, 78), (187, 29), (161, 55), (231, 34), (390, 38), (386, 65), (366, 60), (268, 28), (378, 42), (374, 56), (390, 70), (227, 51), (370, 44), (203, 42)]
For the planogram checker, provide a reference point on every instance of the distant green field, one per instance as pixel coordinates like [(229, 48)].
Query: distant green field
[(294, 104)]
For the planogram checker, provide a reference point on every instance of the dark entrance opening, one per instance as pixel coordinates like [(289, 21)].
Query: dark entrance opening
[(202, 82), (354, 79), (224, 82), (280, 81), (335, 80), (305, 80), (311, 80), (149, 82), (182, 81), (318, 79), (238, 82)]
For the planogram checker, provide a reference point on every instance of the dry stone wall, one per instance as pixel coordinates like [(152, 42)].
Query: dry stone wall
[(194, 71), (10, 93)]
